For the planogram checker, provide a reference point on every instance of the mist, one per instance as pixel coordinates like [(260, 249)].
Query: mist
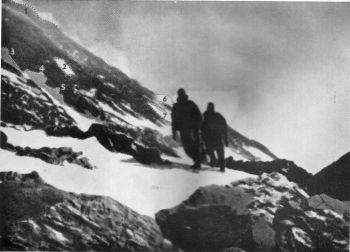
[(279, 72)]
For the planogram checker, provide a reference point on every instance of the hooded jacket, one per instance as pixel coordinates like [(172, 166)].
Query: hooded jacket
[(185, 114)]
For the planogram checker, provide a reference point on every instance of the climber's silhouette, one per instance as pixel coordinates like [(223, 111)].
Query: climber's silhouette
[(214, 135), (187, 119)]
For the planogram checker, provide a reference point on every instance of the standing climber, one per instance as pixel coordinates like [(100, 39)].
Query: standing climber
[(187, 118), (214, 135)]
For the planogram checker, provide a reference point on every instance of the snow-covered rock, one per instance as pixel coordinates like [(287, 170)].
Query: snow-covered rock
[(55, 156), (287, 168), (301, 226), (267, 213)]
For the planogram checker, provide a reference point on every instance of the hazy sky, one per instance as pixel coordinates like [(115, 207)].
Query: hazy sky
[(279, 72)]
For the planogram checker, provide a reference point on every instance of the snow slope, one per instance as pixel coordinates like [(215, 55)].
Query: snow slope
[(146, 189)]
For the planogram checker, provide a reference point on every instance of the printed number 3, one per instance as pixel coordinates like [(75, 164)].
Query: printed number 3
[(12, 51)]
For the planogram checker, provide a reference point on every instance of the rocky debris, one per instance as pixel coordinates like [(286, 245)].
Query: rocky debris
[(240, 214), (24, 102), (37, 216), (333, 180), (118, 142), (113, 141), (323, 202), (301, 227), (287, 168), (55, 156)]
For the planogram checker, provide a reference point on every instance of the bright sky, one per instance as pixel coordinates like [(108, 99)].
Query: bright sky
[(279, 72)]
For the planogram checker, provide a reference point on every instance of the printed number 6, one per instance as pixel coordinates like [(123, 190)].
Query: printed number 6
[(164, 99)]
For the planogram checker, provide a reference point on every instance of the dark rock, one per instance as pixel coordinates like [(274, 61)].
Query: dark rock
[(288, 168), (69, 131), (147, 155), (37, 216), (3, 139), (14, 176), (50, 155), (333, 180), (238, 215), (118, 142)]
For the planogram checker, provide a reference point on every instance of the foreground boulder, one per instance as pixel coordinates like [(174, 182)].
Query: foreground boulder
[(240, 214), (243, 214), (37, 216)]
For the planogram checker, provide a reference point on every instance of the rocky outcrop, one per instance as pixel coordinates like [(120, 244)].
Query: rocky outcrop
[(287, 168), (118, 142), (240, 214), (267, 213), (333, 180), (37, 216), (24, 102), (113, 141), (55, 156), (301, 227), (324, 202)]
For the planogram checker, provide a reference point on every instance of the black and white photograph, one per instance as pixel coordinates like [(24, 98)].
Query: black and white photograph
[(177, 126)]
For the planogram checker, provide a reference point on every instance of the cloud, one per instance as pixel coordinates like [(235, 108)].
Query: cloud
[(112, 56)]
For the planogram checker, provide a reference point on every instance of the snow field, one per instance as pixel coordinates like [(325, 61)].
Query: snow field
[(65, 68), (146, 189)]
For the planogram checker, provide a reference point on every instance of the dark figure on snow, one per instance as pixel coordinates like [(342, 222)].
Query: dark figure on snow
[(214, 135), (187, 118)]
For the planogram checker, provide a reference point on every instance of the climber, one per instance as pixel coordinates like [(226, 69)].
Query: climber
[(214, 135), (187, 118)]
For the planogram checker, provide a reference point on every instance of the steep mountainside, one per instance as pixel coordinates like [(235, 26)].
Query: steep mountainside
[(333, 180), (52, 83)]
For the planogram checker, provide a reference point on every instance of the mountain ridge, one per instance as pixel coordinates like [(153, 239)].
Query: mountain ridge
[(333, 180), (81, 82)]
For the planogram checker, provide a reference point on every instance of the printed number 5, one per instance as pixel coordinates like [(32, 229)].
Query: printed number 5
[(63, 87)]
